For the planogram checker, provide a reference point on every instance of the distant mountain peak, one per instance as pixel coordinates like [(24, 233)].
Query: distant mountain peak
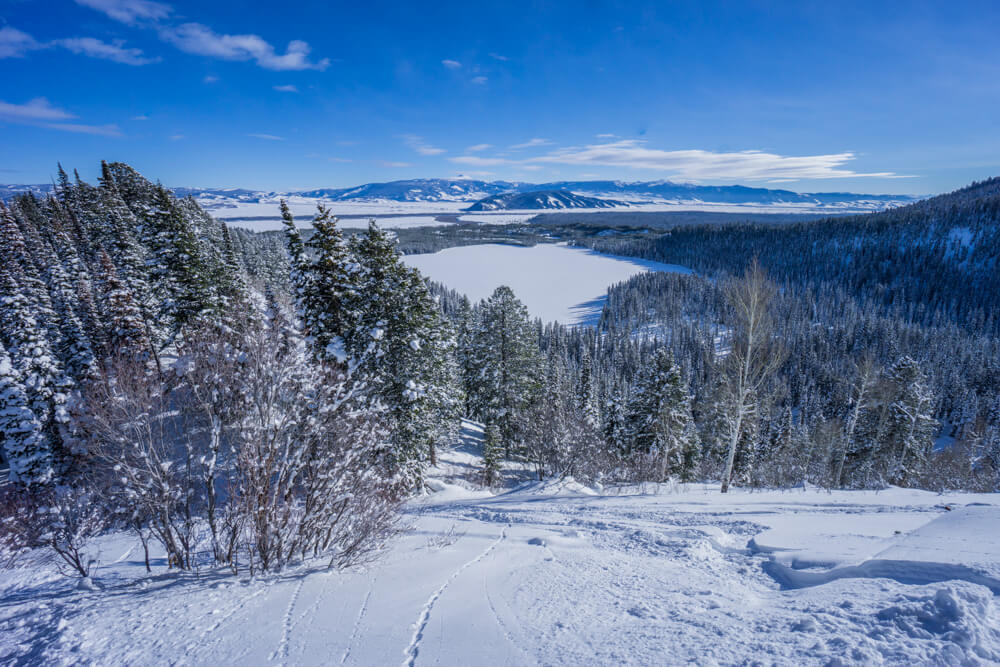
[(542, 199)]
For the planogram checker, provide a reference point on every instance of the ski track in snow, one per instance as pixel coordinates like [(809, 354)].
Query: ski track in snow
[(576, 576), (287, 623), (413, 649), (357, 621)]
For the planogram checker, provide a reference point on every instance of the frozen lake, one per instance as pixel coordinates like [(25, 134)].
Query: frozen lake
[(555, 281)]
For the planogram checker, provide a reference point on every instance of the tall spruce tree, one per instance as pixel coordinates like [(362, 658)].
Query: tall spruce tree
[(659, 428), (505, 368)]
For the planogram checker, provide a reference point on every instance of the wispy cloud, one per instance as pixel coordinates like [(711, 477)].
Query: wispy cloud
[(451, 64), (37, 109), (109, 130), (267, 137), (419, 145), (497, 56), (210, 79), (695, 165), (287, 88), (478, 147), (606, 136), (39, 113), (708, 165), (199, 39), (141, 116), (392, 164), (176, 137), (16, 44), (479, 80), (130, 11), (115, 51), (531, 143)]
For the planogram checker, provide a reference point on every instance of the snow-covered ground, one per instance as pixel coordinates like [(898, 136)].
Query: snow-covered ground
[(560, 574), (304, 222), (556, 282), (306, 207)]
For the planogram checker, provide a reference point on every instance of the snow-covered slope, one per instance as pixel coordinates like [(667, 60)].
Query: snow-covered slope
[(561, 574), (542, 199)]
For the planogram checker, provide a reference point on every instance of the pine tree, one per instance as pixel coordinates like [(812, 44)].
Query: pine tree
[(327, 298), (127, 332), (176, 268), (504, 363), (21, 435), (586, 392), (911, 428), (659, 426)]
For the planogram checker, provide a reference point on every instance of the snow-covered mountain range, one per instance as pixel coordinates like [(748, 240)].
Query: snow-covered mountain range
[(542, 199), (450, 191)]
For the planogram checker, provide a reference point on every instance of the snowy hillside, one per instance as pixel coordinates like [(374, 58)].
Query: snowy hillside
[(558, 573), (542, 199)]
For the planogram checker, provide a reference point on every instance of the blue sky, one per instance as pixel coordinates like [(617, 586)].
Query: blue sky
[(897, 97)]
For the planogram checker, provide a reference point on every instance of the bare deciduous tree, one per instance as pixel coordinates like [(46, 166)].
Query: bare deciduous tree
[(754, 356)]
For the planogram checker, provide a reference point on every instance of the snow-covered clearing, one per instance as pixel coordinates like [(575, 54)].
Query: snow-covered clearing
[(305, 221), (557, 573), (556, 282), (306, 206)]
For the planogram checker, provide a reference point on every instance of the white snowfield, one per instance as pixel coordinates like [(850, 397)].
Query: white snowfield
[(555, 281), (557, 573)]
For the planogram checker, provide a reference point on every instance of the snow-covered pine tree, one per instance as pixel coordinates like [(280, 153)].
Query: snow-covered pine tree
[(126, 329), (912, 428), (586, 392), (402, 345), (659, 427), (328, 296), (25, 445), (504, 366), (177, 273)]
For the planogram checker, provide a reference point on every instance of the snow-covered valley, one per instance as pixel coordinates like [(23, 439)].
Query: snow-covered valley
[(558, 573)]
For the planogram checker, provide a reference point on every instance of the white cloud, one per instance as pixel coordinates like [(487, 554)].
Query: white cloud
[(420, 146), (288, 88), (479, 80), (115, 52), (531, 143), (477, 161), (478, 147), (40, 113), (386, 163), (451, 64), (606, 136), (37, 109), (130, 11), (497, 56), (109, 130), (176, 137), (339, 159), (140, 117), (267, 137), (707, 165), (695, 165), (200, 40), (16, 44), (210, 79)]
